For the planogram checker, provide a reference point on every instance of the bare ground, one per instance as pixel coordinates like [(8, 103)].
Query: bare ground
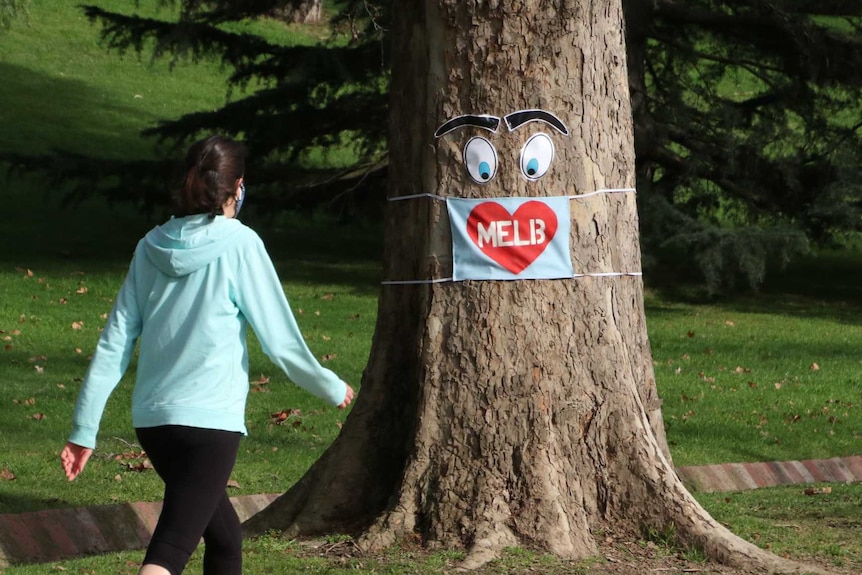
[(616, 557)]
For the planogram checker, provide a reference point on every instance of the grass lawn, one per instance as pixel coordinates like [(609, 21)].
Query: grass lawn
[(769, 376)]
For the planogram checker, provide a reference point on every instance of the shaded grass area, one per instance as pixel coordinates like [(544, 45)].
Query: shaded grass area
[(790, 523)]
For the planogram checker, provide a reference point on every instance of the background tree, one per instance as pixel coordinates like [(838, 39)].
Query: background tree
[(746, 122), (747, 128), (494, 414)]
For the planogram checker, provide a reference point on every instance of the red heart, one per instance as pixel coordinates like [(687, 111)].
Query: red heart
[(512, 240)]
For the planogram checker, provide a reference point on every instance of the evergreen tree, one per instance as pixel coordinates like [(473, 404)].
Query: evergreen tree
[(746, 120), (747, 128)]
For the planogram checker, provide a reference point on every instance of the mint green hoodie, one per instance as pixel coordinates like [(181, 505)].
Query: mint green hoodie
[(193, 287)]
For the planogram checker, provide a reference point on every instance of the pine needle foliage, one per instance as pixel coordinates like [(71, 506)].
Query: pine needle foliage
[(747, 120)]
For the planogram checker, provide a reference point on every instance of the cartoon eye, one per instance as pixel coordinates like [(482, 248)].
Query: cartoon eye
[(481, 160), (536, 157)]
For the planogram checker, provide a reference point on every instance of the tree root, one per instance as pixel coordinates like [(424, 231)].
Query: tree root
[(488, 546)]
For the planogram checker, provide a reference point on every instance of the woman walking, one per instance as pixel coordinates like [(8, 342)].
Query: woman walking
[(194, 285)]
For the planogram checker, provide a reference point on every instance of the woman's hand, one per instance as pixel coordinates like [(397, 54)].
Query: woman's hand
[(74, 458), (348, 397)]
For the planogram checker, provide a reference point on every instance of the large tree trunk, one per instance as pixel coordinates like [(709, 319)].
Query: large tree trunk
[(499, 413)]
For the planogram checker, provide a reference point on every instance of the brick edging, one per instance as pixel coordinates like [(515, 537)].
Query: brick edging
[(56, 534), (742, 476)]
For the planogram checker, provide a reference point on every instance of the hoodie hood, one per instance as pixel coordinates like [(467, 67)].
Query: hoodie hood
[(184, 245)]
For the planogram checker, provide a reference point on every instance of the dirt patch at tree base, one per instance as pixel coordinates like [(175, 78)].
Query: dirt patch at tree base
[(615, 557)]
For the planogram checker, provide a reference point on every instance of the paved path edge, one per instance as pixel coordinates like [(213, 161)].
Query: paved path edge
[(57, 534)]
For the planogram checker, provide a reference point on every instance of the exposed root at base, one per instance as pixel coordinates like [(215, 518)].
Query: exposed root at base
[(386, 530), (488, 546)]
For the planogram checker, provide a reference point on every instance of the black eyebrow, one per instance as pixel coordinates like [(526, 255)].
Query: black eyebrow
[(517, 119), (490, 123)]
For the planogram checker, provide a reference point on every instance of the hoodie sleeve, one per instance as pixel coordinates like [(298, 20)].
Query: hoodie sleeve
[(109, 363), (261, 299)]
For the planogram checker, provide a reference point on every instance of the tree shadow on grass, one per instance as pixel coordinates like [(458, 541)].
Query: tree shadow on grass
[(826, 286), (40, 113)]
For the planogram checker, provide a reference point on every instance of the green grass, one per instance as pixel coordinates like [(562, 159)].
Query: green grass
[(61, 90), (770, 376), (789, 522)]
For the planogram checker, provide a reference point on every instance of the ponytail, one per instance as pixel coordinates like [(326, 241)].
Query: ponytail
[(213, 165)]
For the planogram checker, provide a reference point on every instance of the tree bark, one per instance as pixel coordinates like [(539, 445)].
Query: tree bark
[(493, 413)]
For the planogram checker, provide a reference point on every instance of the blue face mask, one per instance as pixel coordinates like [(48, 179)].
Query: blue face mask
[(241, 198)]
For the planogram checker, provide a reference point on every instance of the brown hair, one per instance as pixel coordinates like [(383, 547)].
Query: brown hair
[(213, 165)]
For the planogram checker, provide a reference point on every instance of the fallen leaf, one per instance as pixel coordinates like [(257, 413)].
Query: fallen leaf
[(234, 484), (39, 369), (777, 385), (729, 323), (316, 313), (263, 380), (8, 346), (690, 334), (118, 477), (299, 311), (16, 331), (61, 386), (328, 296), (280, 417), (814, 367), (29, 273), (38, 416), (78, 350), (325, 338), (36, 358), (328, 357), (818, 491), (6, 475), (139, 466), (63, 300), (742, 369), (77, 324), (81, 290), (22, 318)]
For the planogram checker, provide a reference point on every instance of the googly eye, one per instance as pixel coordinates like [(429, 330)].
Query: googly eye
[(480, 157), (536, 156)]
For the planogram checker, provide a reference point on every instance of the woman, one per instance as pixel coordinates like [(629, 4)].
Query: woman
[(193, 286)]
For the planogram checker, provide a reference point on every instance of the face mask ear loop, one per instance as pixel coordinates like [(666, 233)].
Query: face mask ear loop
[(241, 198)]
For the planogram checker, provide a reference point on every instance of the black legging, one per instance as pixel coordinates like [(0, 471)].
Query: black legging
[(195, 465)]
